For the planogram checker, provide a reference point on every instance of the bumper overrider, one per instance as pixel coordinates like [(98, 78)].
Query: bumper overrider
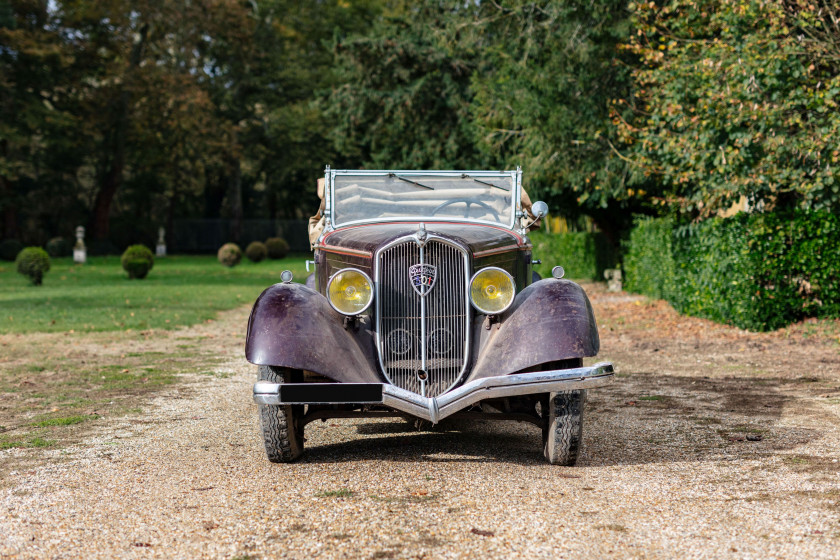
[(437, 408)]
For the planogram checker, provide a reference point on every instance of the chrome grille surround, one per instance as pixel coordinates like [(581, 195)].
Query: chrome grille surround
[(413, 331)]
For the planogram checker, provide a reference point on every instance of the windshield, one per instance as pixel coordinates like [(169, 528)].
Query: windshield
[(481, 196)]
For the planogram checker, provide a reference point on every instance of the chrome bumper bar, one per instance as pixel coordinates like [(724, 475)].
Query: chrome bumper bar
[(437, 408)]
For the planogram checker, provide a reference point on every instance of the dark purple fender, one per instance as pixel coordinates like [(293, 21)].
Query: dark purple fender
[(294, 326), (550, 320)]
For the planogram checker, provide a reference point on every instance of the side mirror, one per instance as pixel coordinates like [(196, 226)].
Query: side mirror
[(539, 209)]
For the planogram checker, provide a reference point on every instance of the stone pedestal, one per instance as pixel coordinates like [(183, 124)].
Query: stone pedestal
[(613, 277), (79, 250), (160, 249)]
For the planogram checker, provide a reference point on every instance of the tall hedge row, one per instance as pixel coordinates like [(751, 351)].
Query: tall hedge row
[(755, 271), (583, 255)]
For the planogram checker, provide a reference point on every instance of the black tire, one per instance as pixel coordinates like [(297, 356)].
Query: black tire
[(563, 434), (280, 425)]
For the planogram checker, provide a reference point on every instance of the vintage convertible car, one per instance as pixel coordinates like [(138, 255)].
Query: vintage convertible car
[(423, 304)]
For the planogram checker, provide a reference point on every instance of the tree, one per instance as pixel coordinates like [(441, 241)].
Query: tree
[(403, 95), (459, 85), (738, 98), (34, 121), (543, 88)]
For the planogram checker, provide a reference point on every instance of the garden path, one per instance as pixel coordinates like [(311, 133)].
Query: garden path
[(711, 443)]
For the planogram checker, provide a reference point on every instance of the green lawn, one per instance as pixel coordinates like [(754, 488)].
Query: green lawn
[(98, 296)]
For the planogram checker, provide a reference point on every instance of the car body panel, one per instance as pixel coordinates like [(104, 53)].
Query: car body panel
[(355, 246), (549, 321), (294, 326)]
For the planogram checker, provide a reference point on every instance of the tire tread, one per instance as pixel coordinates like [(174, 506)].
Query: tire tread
[(282, 443)]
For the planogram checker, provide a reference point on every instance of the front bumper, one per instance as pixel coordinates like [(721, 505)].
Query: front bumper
[(437, 408)]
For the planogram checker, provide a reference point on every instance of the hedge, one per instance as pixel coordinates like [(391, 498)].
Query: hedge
[(583, 255), (756, 271)]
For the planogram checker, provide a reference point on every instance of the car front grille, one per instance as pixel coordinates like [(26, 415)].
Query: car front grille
[(411, 329)]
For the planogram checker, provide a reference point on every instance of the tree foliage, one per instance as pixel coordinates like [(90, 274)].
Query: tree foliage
[(403, 98), (128, 114), (542, 90), (736, 98), (462, 85)]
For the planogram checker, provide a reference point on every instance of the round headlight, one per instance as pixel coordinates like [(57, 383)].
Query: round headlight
[(492, 290), (350, 291)]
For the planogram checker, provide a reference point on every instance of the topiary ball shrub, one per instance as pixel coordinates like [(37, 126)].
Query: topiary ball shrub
[(9, 249), (33, 262), (137, 260), (256, 251), (277, 247), (58, 247), (230, 254)]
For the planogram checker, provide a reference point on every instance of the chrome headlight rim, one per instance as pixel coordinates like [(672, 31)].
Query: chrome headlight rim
[(512, 283), (367, 279)]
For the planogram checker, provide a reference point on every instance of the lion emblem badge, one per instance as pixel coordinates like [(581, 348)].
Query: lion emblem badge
[(422, 277)]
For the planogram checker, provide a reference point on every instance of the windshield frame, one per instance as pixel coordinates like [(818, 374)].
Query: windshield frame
[(515, 177)]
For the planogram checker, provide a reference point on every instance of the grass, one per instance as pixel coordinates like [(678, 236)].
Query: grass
[(98, 296), (31, 442), (108, 340), (340, 493), (65, 421)]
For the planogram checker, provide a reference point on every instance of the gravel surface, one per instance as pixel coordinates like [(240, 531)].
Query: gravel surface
[(708, 445)]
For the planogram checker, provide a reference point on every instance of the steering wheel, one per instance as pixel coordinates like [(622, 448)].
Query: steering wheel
[(469, 202)]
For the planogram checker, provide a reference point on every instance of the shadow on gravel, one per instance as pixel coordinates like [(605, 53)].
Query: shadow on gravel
[(645, 418), (649, 418), (454, 442)]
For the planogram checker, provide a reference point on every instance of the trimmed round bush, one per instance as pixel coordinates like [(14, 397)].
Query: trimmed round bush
[(58, 247), (256, 251), (9, 249), (277, 247), (137, 260), (33, 262), (230, 254)]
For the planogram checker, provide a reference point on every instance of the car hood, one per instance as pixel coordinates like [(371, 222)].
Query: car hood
[(478, 239)]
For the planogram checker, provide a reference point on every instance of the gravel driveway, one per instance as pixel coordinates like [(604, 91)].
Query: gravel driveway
[(711, 443)]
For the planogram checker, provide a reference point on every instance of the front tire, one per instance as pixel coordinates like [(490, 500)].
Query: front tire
[(281, 428), (563, 434)]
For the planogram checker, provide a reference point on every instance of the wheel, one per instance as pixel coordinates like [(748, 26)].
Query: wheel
[(469, 202), (563, 433), (280, 424)]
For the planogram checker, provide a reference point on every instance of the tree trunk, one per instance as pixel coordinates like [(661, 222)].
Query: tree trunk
[(10, 221), (113, 178)]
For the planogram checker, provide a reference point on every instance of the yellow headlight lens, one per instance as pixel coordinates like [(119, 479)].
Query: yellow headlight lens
[(350, 291), (492, 290)]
